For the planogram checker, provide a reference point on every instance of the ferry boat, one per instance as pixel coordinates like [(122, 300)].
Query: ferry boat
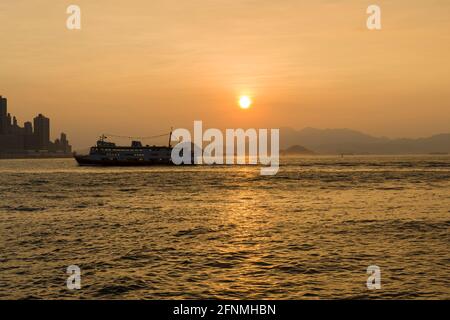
[(109, 154)]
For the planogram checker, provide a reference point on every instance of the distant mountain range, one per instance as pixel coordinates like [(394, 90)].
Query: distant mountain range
[(346, 141)]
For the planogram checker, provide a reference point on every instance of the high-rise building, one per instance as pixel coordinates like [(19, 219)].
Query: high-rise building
[(3, 106), (42, 131), (28, 128), (3, 115), (64, 144)]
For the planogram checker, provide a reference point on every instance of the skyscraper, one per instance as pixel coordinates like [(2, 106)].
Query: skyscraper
[(65, 144), (3, 115), (28, 128), (3, 108), (42, 131)]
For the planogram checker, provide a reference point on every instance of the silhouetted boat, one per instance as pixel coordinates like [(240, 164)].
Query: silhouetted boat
[(109, 154)]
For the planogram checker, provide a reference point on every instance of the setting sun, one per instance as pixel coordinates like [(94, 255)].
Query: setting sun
[(245, 102)]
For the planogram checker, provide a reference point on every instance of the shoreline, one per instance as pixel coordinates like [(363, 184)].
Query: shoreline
[(15, 156)]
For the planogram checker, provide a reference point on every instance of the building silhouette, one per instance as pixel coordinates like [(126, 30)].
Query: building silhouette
[(3, 115), (31, 138), (42, 131)]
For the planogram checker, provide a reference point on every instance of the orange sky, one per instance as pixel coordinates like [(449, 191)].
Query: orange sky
[(138, 67)]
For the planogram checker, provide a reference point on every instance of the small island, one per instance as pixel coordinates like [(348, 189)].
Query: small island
[(297, 150)]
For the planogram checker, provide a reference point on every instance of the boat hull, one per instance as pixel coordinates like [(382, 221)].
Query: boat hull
[(87, 161)]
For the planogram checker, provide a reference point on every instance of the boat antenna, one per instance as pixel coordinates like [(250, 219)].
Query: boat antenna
[(170, 137)]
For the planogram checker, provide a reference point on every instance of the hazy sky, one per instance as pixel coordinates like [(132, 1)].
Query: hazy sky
[(138, 67)]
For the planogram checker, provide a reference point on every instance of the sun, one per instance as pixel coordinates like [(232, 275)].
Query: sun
[(245, 102)]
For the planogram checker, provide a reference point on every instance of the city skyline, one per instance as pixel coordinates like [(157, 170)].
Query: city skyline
[(32, 138)]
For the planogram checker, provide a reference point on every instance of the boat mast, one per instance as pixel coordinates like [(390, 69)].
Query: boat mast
[(170, 137)]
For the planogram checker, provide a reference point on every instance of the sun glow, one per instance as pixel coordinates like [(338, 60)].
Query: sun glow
[(245, 102)]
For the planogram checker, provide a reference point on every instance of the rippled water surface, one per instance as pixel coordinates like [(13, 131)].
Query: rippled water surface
[(227, 232)]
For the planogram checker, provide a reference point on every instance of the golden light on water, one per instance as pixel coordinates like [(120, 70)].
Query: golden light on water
[(245, 102)]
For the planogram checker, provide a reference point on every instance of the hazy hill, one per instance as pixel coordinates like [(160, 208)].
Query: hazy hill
[(336, 141), (297, 150)]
